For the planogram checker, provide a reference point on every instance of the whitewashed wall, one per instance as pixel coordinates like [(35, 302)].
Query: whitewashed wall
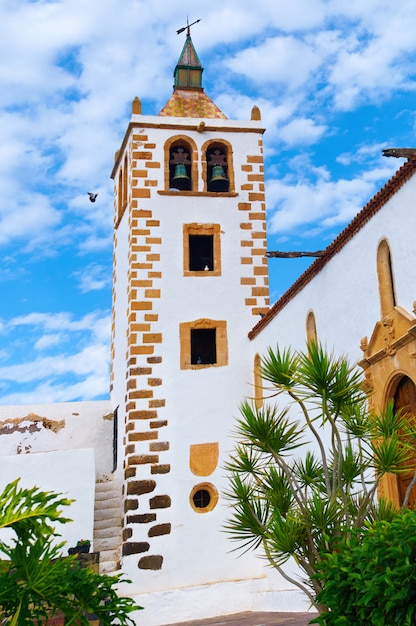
[(344, 296), (29, 429)]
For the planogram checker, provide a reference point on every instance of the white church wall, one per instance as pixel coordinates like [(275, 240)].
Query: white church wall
[(344, 295), (70, 473), (43, 428)]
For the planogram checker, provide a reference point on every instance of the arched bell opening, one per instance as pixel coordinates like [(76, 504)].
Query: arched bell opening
[(217, 168), (180, 166)]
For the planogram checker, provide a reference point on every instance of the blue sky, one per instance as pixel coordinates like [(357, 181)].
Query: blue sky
[(335, 82)]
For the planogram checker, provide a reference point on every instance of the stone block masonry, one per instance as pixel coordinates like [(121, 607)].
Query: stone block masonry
[(253, 236), (144, 402)]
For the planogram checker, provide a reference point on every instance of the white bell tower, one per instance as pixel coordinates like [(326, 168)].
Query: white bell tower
[(190, 281)]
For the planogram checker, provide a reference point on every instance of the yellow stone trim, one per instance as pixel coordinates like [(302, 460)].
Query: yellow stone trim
[(221, 144), (213, 497), (388, 356), (311, 334), (203, 458), (258, 382), (138, 192), (202, 229), (209, 194), (185, 343), (385, 278), (193, 155), (160, 125)]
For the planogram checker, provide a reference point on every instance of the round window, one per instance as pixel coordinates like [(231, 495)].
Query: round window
[(203, 497)]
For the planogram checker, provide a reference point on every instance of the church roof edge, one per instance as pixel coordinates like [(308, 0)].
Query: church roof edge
[(403, 174)]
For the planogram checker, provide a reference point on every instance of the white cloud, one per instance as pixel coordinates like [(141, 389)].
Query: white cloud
[(48, 341), (93, 277), (71, 70), (323, 202), (273, 61), (302, 131), (78, 368)]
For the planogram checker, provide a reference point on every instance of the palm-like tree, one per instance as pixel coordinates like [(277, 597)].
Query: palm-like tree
[(306, 470)]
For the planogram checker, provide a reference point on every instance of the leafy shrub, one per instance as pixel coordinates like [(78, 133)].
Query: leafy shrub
[(36, 582), (371, 579)]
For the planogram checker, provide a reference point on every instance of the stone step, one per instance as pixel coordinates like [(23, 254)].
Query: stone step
[(109, 561), (107, 505), (106, 485), (107, 495), (110, 534), (107, 514), (109, 543), (107, 522), (108, 525)]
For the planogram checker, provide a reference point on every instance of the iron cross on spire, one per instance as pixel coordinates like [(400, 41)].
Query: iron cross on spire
[(187, 28)]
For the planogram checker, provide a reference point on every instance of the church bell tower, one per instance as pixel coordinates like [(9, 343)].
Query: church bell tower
[(190, 280)]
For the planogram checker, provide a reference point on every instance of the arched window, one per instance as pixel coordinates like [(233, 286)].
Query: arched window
[(120, 195), (311, 334), (125, 182), (385, 278), (122, 189), (180, 166), (258, 382), (217, 167)]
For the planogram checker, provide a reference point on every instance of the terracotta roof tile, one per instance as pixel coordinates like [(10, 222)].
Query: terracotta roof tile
[(371, 208), (191, 103)]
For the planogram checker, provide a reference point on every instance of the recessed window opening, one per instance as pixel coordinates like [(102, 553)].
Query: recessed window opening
[(203, 346), (201, 498), (201, 253), (385, 278), (217, 168), (180, 168)]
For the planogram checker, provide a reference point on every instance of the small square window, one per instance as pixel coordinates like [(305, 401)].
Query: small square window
[(201, 250), (203, 346), (201, 253)]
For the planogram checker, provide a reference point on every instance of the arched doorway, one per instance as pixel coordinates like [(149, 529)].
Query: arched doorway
[(405, 400)]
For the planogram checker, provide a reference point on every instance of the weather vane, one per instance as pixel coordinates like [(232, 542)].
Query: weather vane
[(187, 28)]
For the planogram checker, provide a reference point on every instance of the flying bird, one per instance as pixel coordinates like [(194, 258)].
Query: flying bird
[(92, 196)]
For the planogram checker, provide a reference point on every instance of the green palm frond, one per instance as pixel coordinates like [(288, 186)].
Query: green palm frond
[(309, 471), (279, 368), (328, 381), (389, 422), (277, 491), (269, 429), (248, 521), (287, 536), (246, 460), (349, 466), (390, 455), (356, 420)]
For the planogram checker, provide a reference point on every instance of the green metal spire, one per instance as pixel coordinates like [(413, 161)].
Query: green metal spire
[(188, 70)]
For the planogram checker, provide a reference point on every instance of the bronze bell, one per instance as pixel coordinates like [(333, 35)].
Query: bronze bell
[(180, 179), (218, 180)]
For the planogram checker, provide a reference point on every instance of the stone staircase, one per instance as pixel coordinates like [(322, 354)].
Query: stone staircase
[(107, 525)]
